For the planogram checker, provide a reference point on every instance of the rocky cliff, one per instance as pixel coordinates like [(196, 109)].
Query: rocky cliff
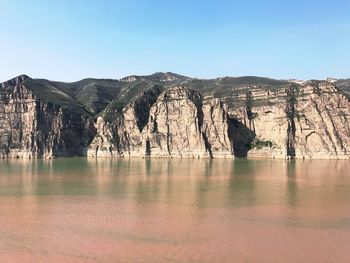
[(179, 123), (169, 115), (309, 121), (31, 126)]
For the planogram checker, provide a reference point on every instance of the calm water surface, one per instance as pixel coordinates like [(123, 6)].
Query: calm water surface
[(140, 210)]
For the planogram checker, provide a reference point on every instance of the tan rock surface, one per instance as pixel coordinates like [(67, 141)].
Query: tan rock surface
[(216, 119)]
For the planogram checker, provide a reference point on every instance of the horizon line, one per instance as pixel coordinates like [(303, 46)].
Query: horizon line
[(174, 73)]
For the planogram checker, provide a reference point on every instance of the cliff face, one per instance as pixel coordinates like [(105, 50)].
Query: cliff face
[(180, 124), (310, 121), (30, 127), (168, 115)]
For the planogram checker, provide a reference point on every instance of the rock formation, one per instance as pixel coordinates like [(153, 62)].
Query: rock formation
[(311, 121), (169, 115), (180, 124), (32, 127)]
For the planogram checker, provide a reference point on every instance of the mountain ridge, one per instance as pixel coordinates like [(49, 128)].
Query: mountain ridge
[(171, 115), (95, 94)]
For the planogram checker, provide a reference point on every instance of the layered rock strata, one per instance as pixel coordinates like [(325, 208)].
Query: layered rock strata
[(311, 121), (181, 124), (168, 115), (33, 128)]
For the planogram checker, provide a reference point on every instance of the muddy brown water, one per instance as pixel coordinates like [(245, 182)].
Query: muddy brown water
[(177, 210)]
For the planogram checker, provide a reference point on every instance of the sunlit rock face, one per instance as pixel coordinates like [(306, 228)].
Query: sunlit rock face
[(168, 115), (309, 121), (180, 124), (301, 122), (31, 127)]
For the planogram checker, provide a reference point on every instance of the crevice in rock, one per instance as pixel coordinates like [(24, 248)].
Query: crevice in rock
[(148, 148), (291, 112), (291, 138), (207, 144), (167, 124), (249, 110), (241, 137), (200, 116), (144, 103)]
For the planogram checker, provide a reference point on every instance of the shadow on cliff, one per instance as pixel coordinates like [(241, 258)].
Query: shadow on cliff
[(240, 136)]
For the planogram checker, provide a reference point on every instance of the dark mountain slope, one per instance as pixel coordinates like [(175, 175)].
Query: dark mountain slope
[(344, 85)]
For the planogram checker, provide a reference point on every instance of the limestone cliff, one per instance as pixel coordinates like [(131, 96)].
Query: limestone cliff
[(169, 115), (309, 121), (180, 124), (31, 127)]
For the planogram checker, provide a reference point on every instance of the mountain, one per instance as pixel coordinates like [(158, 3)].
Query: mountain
[(170, 115), (157, 77), (344, 85)]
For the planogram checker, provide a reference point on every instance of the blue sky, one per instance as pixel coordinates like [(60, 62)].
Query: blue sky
[(73, 39)]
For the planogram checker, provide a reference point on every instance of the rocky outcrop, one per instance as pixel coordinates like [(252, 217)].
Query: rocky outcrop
[(119, 131), (180, 124), (168, 115), (311, 121), (31, 128)]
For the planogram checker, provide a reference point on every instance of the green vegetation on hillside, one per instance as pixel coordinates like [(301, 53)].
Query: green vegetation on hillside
[(109, 97)]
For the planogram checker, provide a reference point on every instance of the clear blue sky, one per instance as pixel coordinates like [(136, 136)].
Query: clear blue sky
[(73, 39)]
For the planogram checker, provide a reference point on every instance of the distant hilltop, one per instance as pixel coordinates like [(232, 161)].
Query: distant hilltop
[(171, 115), (298, 81)]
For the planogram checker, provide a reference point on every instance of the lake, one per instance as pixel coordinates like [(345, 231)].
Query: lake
[(174, 210)]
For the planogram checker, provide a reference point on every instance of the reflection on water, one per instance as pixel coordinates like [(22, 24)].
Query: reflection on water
[(174, 210)]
